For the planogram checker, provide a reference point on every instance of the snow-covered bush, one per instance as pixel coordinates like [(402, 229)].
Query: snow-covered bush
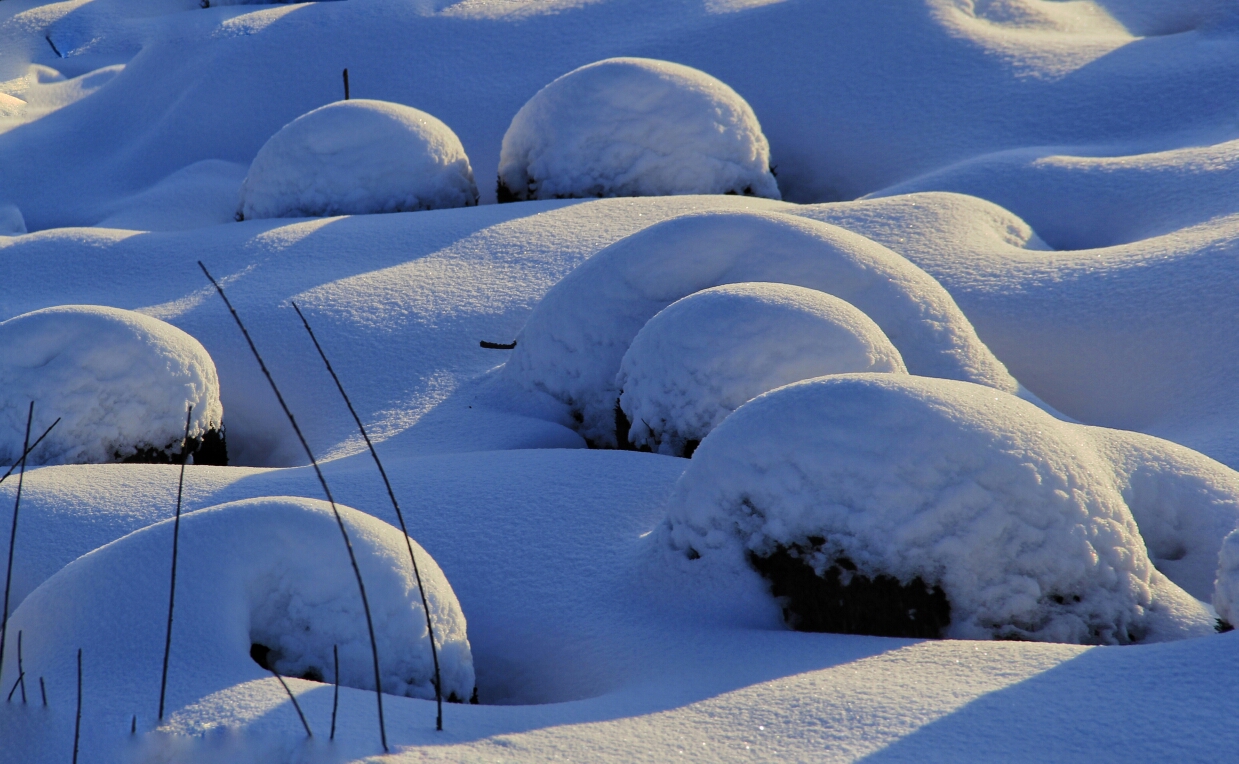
[(890, 504), (356, 158), (11, 221), (1226, 590), (705, 355), (634, 127), (572, 344), (119, 381), (270, 572)]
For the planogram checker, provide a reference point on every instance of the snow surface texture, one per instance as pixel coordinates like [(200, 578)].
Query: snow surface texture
[(634, 127), (358, 157), (119, 381), (573, 343), (960, 485), (705, 355), (270, 571)]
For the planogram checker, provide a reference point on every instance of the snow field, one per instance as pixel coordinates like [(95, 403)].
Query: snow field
[(704, 355), (119, 381), (358, 157), (634, 127), (271, 571), (962, 486), (574, 341)]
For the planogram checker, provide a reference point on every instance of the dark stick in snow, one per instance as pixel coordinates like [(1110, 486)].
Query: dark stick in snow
[(48, 37), (348, 544), (296, 705), (21, 679), (176, 537), (498, 345), (21, 671), (335, 699), (430, 629), (346, 84), (8, 576), (30, 450), (43, 691), (77, 722), (133, 725)]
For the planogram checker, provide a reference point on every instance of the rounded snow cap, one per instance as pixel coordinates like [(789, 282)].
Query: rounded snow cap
[(1226, 588), (875, 502), (634, 127), (705, 355), (356, 158), (11, 221), (119, 381)]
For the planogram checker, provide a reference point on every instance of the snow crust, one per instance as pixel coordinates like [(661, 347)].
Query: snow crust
[(271, 571), (960, 485), (635, 127), (705, 355), (358, 157), (572, 345), (119, 381)]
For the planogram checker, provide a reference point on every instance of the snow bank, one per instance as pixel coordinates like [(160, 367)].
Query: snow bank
[(572, 344), (11, 221), (356, 158), (934, 483), (705, 355), (271, 572), (119, 381), (634, 127)]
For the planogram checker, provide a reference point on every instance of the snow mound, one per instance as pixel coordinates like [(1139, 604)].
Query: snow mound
[(634, 127), (934, 483), (705, 355), (119, 381), (356, 158), (573, 343), (272, 572), (11, 221)]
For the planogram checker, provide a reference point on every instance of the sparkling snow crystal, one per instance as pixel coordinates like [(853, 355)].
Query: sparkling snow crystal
[(119, 381), (572, 344), (355, 158), (963, 487), (706, 354), (634, 127)]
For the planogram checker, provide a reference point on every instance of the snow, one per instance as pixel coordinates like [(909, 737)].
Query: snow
[(959, 485), (119, 382), (1052, 184), (11, 221), (573, 343), (1226, 594), (705, 355), (635, 127), (355, 158)]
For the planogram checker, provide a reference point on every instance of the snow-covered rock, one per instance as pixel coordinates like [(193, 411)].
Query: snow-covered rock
[(634, 127), (272, 572), (119, 381), (705, 355), (1226, 590), (572, 344), (355, 158), (11, 221), (933, 483)]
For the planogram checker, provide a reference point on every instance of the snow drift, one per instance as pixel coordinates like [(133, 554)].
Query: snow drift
[(704, 355), (355, 158), (634, 127), (272, 572), (934, 483), (573, 343), (120, 382)]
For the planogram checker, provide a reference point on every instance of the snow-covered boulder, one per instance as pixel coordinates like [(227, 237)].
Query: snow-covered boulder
[(120, 382), (572, 344), (356, 158), (891, 504), (1226, 590), (11, 221), (270, 572), (634, 127), (705, 355)]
